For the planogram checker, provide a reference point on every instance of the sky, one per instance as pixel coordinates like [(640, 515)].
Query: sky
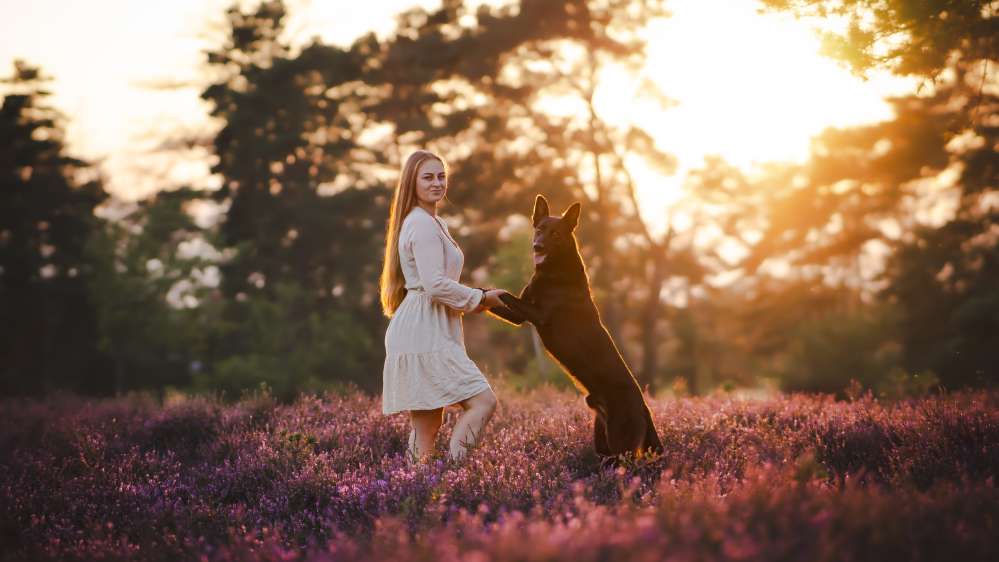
[(750, 88)]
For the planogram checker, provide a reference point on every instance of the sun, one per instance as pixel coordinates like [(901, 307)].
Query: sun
[(749, 87)]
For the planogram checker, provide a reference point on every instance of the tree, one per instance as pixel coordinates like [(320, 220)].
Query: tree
[(868, 184), (47, 325), (299, 211)]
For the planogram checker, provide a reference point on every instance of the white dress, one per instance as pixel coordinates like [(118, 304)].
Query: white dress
[(426, 365)]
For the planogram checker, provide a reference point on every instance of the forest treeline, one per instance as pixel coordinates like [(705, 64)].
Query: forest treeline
[(308, 145)]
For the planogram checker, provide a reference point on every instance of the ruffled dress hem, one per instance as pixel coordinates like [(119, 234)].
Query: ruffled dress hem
[(429, 380)]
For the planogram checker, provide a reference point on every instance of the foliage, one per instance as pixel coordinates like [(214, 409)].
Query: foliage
[(826, 353), (288, 345), (327, 478), (947, 283), (153, 309), (909, 37)]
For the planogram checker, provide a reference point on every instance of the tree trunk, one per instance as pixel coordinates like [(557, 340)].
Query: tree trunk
[(650, 321), (602, 280), (603, 276)]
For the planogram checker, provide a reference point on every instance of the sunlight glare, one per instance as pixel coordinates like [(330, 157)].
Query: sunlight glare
[(749, 87)]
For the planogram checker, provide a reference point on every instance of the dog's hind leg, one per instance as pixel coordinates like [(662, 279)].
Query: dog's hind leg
[(600, 435), (599, 426), (600, 444)]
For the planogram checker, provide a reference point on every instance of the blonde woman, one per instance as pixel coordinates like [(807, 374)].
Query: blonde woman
[(426, 365)]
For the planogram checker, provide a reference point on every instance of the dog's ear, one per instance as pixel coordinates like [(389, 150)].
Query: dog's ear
[(571, 216), (540, 209)]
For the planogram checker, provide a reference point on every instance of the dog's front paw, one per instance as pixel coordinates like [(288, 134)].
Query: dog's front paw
[(507, 299)]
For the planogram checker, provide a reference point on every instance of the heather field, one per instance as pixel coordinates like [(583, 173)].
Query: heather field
[(786, 478)]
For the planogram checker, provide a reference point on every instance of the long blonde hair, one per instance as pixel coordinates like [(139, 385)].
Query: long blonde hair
[(392, 283)]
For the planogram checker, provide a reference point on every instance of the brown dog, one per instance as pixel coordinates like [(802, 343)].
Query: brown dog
[(558, 302)]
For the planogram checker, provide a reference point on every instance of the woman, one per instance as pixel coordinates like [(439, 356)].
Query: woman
[(426, 365)]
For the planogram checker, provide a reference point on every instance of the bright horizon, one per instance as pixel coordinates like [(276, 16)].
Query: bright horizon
[(750, 88)]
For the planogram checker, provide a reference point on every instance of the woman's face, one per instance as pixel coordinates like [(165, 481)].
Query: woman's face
[(431, 182)]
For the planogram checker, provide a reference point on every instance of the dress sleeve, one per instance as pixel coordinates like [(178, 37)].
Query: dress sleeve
[(428, 251)]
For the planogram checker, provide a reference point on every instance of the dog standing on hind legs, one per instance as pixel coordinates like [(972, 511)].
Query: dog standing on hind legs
[(557, 301)]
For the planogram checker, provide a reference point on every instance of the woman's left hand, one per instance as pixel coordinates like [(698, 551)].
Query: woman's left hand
[(490, 299), (482, 304)]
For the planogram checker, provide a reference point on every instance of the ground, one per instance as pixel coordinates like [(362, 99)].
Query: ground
[(791, 477)]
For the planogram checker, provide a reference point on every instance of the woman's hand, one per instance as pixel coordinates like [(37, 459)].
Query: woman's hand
[(492, 298)]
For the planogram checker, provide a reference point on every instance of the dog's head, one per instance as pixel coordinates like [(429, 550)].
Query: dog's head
[(553, 237)]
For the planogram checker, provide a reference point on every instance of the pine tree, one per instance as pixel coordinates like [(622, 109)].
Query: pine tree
[(47, 329)]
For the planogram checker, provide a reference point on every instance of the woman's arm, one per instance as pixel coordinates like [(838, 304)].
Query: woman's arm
[(428, 250)]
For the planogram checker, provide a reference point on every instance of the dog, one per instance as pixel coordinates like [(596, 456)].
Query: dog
[(557, 301)]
